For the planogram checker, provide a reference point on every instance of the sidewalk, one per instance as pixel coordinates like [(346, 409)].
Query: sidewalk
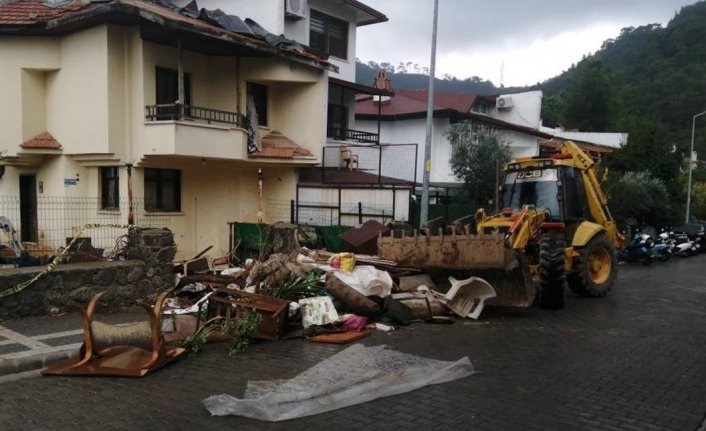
[(36, 342)]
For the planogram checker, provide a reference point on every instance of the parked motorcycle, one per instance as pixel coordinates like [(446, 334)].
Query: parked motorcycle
[(696, 233), (679, 243), (638, 250)]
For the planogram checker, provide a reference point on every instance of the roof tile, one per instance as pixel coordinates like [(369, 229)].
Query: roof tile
[(28, 12), (43, 141)]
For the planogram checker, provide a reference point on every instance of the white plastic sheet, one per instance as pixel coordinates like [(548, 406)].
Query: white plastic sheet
[(367, 280), (355, 375)]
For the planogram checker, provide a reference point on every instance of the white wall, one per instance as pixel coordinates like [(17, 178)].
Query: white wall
[(373, 201), (414, 131), (526, 109), (614, 140)]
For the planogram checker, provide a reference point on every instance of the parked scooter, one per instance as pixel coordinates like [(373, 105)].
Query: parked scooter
[(638, 250), (679, 243)]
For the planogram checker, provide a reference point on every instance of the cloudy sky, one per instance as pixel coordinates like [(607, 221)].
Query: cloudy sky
[(534, 39)]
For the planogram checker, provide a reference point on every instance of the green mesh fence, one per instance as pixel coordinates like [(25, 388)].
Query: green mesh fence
[(329, 236), (254, 240)]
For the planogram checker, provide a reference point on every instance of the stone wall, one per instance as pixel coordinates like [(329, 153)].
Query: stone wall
[(147, 271)]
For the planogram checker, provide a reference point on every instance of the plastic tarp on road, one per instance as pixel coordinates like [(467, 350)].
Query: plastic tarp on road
[(355, 375)]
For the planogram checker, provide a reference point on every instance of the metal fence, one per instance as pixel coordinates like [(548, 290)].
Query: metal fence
[(385, 164), (326, 213), (53, 221)]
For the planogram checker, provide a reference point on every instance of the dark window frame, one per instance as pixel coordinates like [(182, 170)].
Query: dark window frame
[(166, 88), (260, 93), (110, 182), (325, 39), (161, 177)]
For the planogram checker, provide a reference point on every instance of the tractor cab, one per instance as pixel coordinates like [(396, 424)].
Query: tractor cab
[(558, 190)]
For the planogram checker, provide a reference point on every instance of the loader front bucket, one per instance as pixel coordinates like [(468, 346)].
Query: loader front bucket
[(482, 255)]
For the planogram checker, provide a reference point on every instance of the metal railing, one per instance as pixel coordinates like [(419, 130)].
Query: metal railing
[(329, 213), (177, 111), (351, 135), (385, 164)]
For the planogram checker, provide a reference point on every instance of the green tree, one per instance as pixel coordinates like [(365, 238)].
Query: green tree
[(698, 201), (588, 99), (648, 149), (639, 198), (477, 151)]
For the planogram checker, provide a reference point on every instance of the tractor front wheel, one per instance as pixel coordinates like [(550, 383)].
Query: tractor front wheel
[(552, 271), (595, 269)]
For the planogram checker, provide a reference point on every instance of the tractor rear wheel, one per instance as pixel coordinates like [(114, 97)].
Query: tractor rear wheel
[(552, 271), (595, 269)]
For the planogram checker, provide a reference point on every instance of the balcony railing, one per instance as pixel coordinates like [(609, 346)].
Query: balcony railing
[(353, 135), (356, 164), (176, 111)]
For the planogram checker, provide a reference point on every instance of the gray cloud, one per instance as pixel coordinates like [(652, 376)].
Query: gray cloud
[(501, 24)]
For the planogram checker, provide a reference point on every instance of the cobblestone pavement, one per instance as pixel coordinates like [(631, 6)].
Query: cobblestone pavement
[(635, 360)]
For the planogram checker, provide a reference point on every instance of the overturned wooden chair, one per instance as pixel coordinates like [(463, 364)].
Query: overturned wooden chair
[(133, 350)]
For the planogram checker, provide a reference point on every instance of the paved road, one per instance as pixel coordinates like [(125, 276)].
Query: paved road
[(633, 361)]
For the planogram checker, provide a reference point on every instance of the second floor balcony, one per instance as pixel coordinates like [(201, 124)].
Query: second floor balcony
[(181, 112)]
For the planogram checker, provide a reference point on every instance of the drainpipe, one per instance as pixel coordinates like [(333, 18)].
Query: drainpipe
[(259, 195), (130, 210)]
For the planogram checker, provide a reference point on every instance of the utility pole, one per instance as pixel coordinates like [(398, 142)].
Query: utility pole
[(424, 213), (691, 164)]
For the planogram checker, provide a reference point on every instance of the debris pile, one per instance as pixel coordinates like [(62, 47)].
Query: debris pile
[(324, 296)]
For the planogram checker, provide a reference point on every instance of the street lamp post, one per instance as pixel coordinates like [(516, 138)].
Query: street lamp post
[(691, 164)]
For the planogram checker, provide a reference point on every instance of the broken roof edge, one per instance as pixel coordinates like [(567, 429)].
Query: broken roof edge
[(135, 12)]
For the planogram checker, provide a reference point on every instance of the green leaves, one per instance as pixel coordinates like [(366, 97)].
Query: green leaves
[(639, 198), (477, 152)]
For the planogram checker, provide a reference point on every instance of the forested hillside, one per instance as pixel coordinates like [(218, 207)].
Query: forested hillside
[(413, 77)]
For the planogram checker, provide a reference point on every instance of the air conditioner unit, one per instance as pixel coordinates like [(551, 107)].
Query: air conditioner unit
[(503, 102), (296, 9)]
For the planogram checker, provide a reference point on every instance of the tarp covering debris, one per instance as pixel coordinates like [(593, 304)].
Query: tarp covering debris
[(355, 375)]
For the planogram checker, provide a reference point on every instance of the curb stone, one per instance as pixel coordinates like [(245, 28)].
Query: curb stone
[(34, 362)]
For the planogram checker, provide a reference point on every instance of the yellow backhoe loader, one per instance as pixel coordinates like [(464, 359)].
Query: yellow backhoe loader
[(554, 229)]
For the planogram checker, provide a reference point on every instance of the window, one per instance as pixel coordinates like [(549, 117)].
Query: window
[(162, 190), (337, 121), (481, 108), (110, 188), (167, 87), (259, 94), (329, 34)]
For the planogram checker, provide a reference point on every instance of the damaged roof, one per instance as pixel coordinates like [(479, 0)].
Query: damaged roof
[(212, 31), (279, 146)]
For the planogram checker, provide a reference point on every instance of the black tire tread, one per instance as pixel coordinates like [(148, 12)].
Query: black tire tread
[(552, 271)]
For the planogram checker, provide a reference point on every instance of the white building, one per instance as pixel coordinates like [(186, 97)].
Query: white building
[(402, 119)]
